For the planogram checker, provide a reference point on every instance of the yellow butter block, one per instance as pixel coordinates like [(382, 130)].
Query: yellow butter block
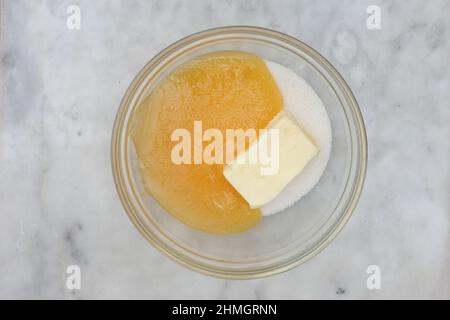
[(282, 151)]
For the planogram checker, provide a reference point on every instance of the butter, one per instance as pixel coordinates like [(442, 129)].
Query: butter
[(289, 150)]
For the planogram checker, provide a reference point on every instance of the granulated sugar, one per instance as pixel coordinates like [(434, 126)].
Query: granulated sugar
[(300, 99)]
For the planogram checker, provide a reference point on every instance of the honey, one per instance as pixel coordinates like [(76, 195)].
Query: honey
[(224, 90)]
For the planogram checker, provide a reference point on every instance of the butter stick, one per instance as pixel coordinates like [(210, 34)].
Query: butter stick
[(262, 180)]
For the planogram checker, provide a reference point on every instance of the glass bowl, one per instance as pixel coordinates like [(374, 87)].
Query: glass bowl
[(282, 241)]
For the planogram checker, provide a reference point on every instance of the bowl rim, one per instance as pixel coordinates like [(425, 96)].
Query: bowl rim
[(116, 157)]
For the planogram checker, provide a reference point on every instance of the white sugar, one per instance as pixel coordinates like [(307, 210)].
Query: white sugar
[(303, 103)]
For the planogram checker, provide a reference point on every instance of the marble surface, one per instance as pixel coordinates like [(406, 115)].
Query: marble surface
[(59, 93)]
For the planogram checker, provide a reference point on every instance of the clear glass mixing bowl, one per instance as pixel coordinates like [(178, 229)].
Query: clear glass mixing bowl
[(282, 241)]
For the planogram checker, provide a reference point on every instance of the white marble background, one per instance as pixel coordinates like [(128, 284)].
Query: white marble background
[(59, 93)]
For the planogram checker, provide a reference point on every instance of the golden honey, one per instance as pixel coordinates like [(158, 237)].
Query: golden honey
[(223, 90)]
